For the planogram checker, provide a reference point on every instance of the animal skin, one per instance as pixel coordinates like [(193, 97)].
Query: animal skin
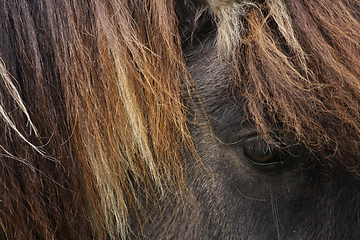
[(183, 119)]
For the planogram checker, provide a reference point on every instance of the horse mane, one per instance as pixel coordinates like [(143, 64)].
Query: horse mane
[(91, 112), (304, 75), (93, 121)]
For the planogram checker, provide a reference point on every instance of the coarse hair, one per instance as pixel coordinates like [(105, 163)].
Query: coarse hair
[(93, 120), (91, 112)]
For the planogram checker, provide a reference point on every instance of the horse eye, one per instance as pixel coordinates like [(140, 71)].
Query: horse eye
[(261, 152)]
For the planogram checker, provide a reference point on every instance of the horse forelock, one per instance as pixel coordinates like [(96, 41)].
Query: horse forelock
[(293, 67), (107, 79)]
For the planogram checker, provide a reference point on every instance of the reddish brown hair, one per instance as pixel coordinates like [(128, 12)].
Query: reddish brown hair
[(305, 75), (92, 111), (99, 83)]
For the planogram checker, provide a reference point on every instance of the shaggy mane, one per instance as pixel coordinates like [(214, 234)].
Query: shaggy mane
[(93, 125), (299, 68), (98, 85)]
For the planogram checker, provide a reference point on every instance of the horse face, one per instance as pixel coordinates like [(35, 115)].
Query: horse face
[(247, 186), (240, 197)]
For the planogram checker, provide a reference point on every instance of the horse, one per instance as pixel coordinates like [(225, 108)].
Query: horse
[(182, 119)]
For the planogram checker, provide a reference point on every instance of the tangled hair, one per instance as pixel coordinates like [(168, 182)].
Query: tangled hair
[(93, 125), (91, 112), (304, 76)]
